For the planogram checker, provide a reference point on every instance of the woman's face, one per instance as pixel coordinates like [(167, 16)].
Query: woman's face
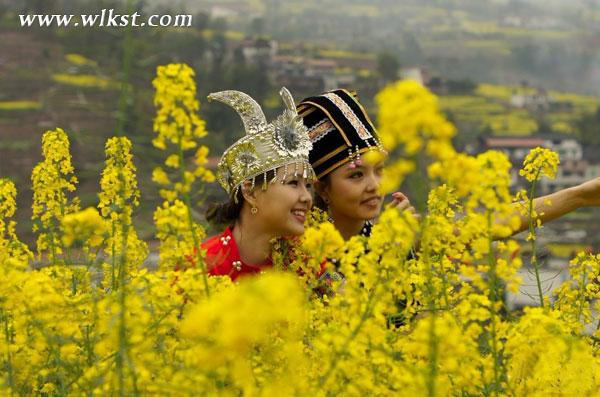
[(352, 192), (283, 206)]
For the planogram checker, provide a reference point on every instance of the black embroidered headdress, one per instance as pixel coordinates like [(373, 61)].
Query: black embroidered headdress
[(339, 128)]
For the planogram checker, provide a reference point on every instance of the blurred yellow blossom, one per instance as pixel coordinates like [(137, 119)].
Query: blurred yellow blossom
[(417, 307), (409, 120), (86, 226)]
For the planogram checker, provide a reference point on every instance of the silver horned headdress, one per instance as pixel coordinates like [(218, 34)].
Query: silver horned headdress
[(266, 146)]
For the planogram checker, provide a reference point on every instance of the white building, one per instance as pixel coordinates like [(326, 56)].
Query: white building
[(572, 170)]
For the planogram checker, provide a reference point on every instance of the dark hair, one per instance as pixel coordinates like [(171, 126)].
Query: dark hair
[(226, 213), (319, 202)]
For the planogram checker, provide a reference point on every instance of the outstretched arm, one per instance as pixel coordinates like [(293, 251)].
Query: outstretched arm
[(548, 207), (562, 202)]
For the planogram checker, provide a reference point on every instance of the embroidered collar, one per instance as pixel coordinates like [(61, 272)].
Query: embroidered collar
[(226, 258), (366, 229)]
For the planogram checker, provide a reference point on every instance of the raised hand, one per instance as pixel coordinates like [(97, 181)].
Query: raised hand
[(400, 201)]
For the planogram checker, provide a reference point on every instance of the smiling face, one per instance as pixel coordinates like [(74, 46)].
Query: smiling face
[(282, 207), (352, 193)]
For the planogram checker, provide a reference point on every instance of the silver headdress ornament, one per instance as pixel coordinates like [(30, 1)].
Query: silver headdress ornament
[(266, 146)]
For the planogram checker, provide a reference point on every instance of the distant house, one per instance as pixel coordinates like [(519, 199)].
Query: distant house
[(357, 63), (534, 22), (233, 10), (319, 67), (539, 100), (574, 168), (416, 73), (258, 51), (292, 72), (310, 74), (339, 80), (591, 154), (516, 148), (222, 12)]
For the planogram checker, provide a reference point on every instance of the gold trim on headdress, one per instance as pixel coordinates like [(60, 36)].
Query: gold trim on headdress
[(329, 155), (351, 134), (332, 119), (266, 146), (355, 156)]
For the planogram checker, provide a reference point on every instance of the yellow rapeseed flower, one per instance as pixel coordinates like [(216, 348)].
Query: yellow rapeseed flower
[(176, 121), (418, 307), (119, 197), (86, 227), (178, 124), (13, 253), (540, 162), (53, 181), (410, 121)]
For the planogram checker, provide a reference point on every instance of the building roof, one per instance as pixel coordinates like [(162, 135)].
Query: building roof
[(525, 141), (513, 142), (328, 63)]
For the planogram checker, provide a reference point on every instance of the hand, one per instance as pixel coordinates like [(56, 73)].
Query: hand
[(589, 193), (400, 201)]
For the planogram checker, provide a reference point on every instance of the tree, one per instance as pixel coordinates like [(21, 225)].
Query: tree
[(588, 127), (544, 126), (387, 66), (39, 6), (257, 26)]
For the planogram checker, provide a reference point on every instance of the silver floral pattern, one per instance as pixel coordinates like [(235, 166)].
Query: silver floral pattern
[(265, 146)]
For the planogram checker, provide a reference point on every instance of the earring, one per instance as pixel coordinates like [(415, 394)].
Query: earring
[(253, 210)]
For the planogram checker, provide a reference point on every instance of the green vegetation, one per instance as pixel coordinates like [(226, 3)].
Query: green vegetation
[(16, 145), (84, 80), (80, 60), (565, 250), (489, 108), (19, 105), (334, 53), (210, 34)]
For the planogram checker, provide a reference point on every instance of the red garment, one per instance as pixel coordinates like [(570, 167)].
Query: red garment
[(223, 257)]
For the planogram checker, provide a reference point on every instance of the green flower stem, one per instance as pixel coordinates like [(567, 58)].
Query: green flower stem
[(444, 279), (494, 299), (120, 357), (123, 342), (532, 228), (432, 350), (51, 241), (433, 353), (113, 263), (581, 297), (192, 226)]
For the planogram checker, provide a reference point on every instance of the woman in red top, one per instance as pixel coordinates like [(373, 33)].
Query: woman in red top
[(268, 178)]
